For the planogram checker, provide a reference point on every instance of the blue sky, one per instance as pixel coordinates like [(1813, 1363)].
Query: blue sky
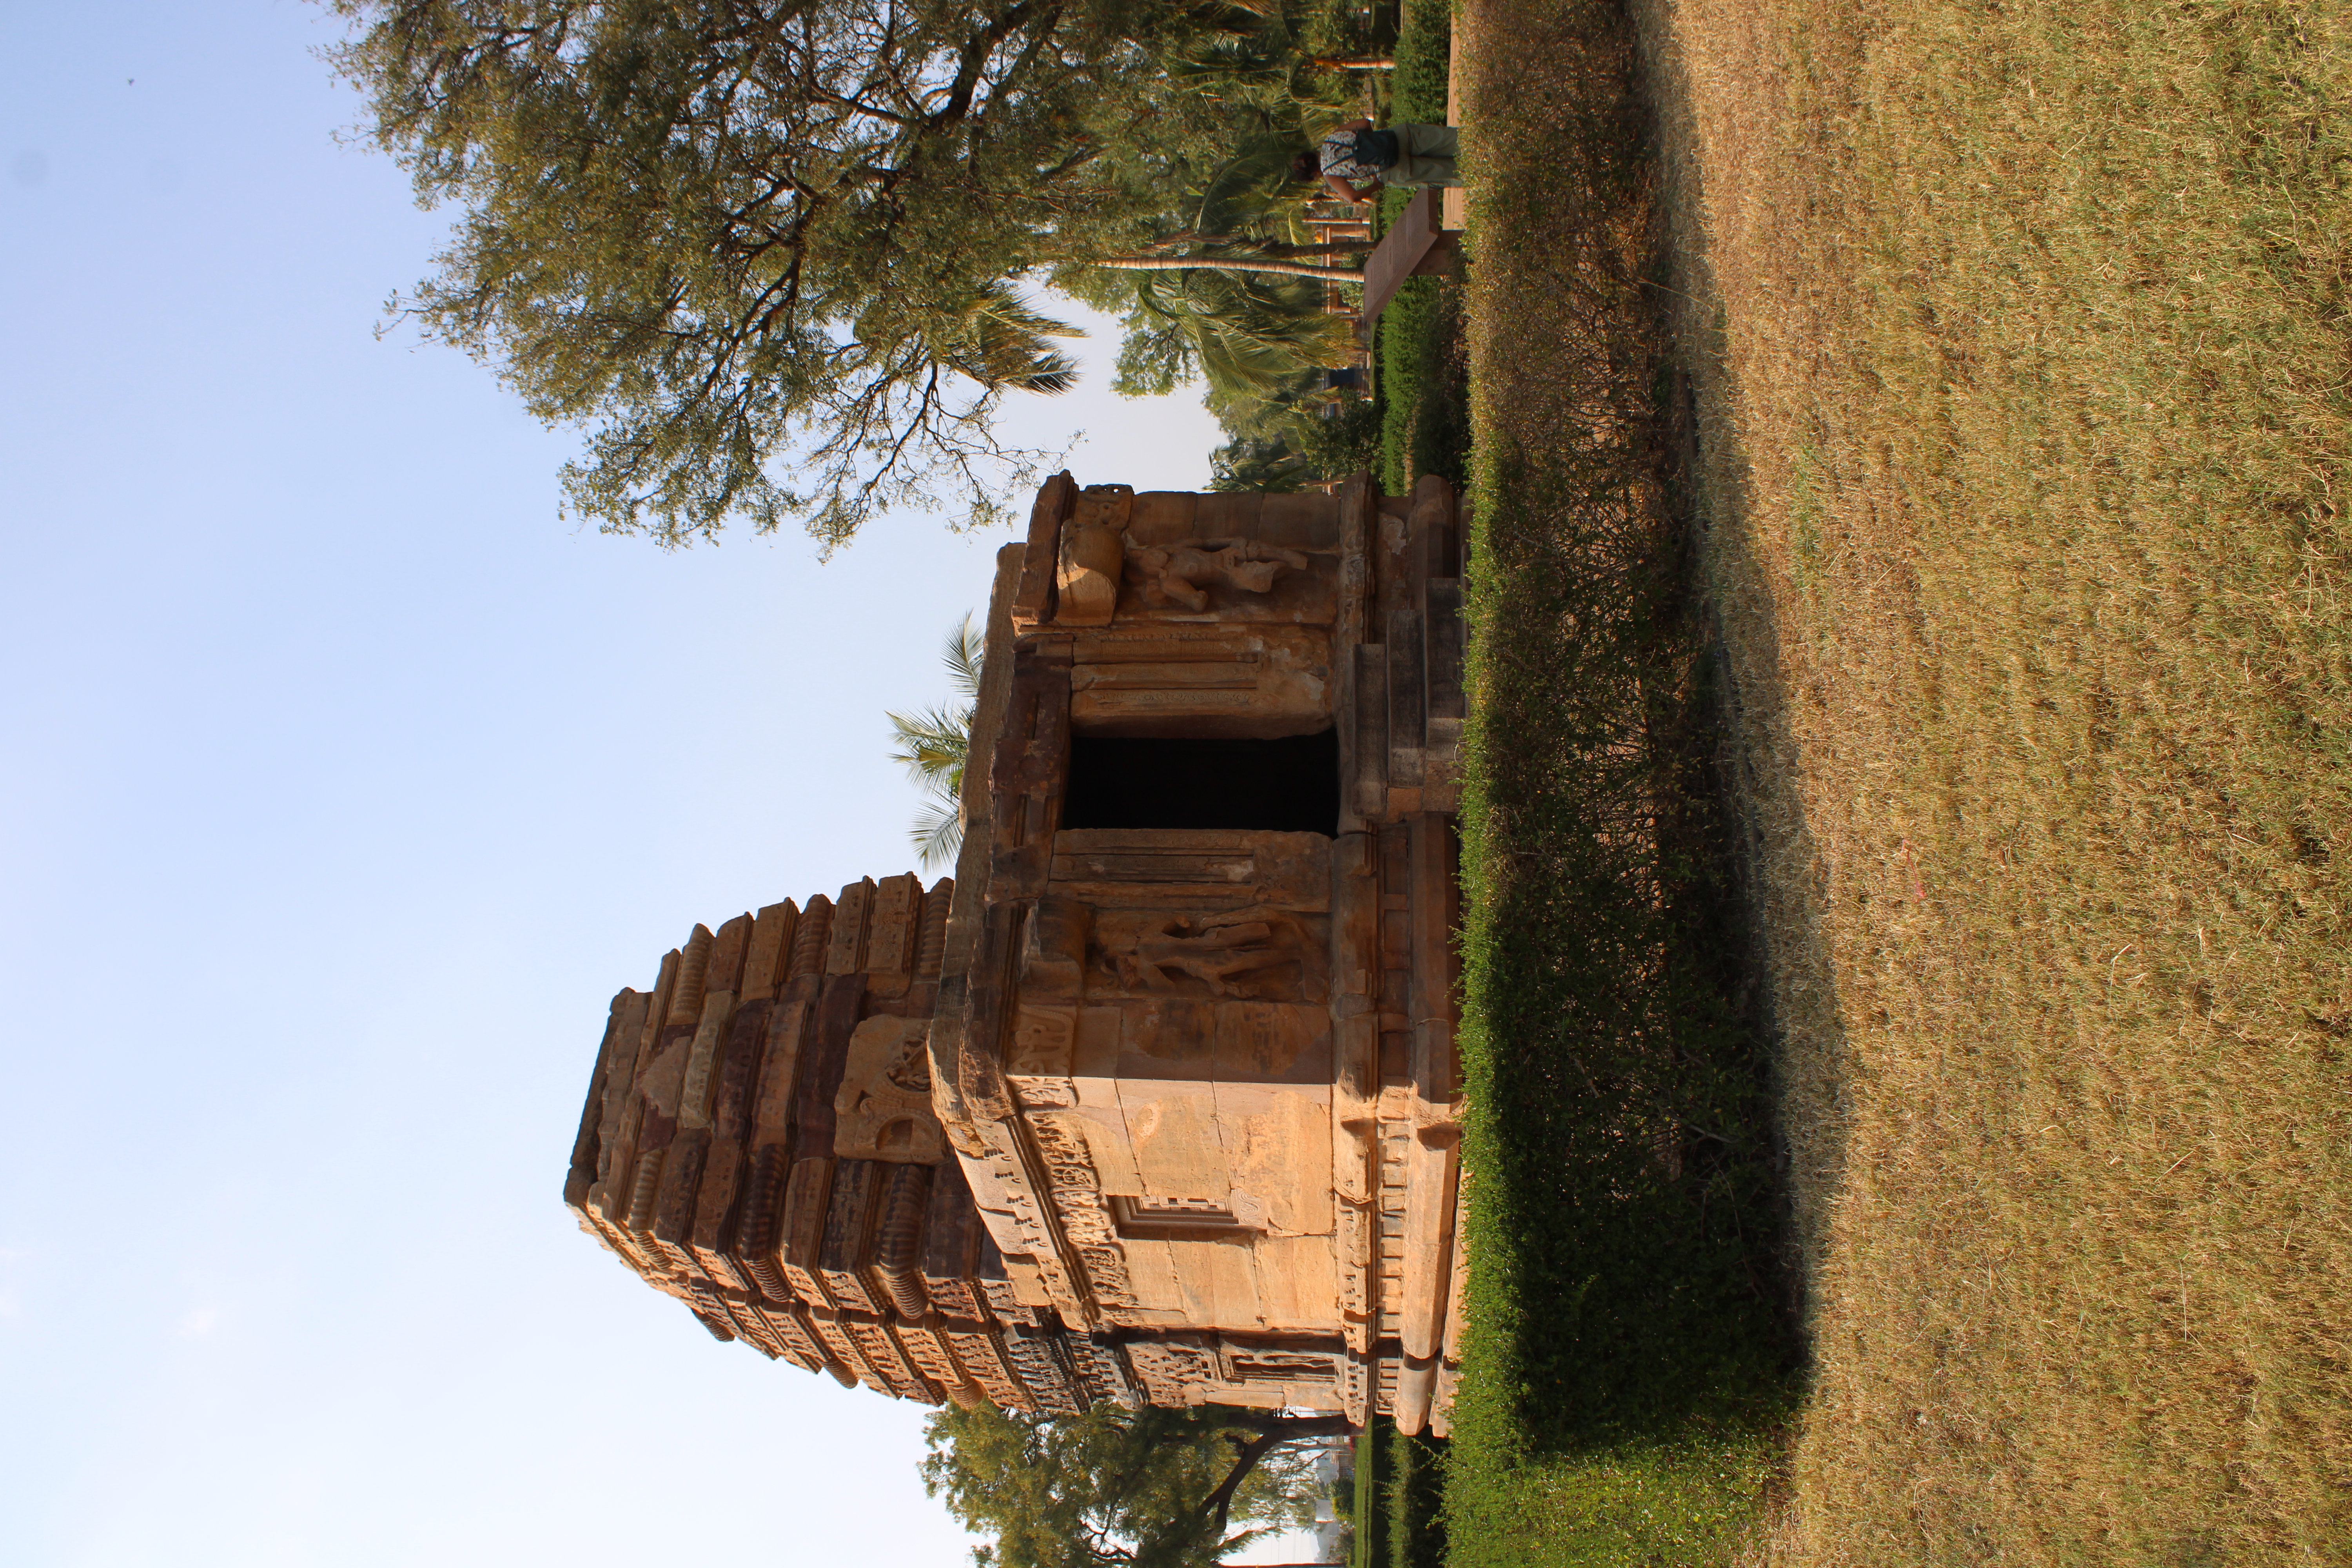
[(343, 784)]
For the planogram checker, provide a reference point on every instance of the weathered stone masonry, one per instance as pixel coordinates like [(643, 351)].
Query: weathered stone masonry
[(1157, 1099)]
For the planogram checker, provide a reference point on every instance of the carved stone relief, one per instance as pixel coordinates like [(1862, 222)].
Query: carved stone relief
[(1038, 1060), (1176, 1370), (1181, 575), (1222, 577), (1244, 954), (1087, 577), (1079, 1205), (883, 1109)]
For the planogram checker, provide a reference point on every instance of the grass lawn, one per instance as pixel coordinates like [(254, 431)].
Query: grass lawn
[(2007, 495), (1368, 1519), (2027, 467), (1630, 1356)]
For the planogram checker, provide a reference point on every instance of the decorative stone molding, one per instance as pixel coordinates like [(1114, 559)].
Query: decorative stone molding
[(883, 1108)]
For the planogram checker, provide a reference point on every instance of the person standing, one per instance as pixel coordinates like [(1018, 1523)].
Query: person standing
[(1354, 160)]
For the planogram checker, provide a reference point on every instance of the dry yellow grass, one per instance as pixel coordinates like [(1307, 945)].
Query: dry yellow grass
[(2021, 345)]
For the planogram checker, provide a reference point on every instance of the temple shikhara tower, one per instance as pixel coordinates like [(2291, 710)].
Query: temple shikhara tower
[(1156, 1098)]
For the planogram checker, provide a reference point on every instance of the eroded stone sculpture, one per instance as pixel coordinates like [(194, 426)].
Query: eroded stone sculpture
[(1182, 574)]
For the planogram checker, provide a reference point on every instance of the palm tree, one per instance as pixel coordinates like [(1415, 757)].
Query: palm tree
[(934, 745), (1249, 333), (1229, 282), (1003, 342)]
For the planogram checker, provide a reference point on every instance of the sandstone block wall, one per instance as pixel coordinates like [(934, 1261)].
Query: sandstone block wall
[(759, 1144), (1158, 1097)]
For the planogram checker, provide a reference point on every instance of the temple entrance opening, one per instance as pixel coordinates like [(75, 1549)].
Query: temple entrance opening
[(1289, 785)]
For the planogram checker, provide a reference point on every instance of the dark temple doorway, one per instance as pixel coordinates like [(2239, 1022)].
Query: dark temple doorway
[(1290, 785)]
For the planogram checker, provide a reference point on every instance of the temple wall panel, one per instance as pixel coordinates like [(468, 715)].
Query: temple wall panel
[(1277, 1151), (1298, 1283)]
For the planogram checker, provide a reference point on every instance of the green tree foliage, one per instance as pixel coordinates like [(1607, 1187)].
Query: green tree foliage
[(1260, 464), (770, 252), (1300, 446), (1216, 311), (1122, 1489), (1243, 331), (934, 745)]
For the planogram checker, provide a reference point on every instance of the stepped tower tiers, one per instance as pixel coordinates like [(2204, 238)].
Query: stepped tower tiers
[(1157, 1099)]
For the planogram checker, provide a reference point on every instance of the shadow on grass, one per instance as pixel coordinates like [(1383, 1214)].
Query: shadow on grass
[(1630, 1352), (1622, 1149)]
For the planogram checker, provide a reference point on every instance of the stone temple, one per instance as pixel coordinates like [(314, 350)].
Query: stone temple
[(1157, 1099)]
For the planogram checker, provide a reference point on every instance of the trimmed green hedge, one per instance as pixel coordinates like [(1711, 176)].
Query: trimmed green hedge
[(1418, 432)]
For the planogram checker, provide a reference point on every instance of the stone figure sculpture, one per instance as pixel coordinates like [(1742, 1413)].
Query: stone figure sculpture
[(1148, 951), (1179, 574)]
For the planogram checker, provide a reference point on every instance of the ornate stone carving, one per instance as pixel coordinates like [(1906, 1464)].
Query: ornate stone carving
[(1093, 549), (883, 1355), (1065, 1154), (980, 1355), (1181, 575), (927, 1349), (1042, 1041), (883, 1109), (1106, 1268), (1232, 954), (1085, 1217), (848, 1246), (1102, 1371), (1030, 1352), (807, 1196), (1356, 1387), (898, 1238), (1176, 1370)]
